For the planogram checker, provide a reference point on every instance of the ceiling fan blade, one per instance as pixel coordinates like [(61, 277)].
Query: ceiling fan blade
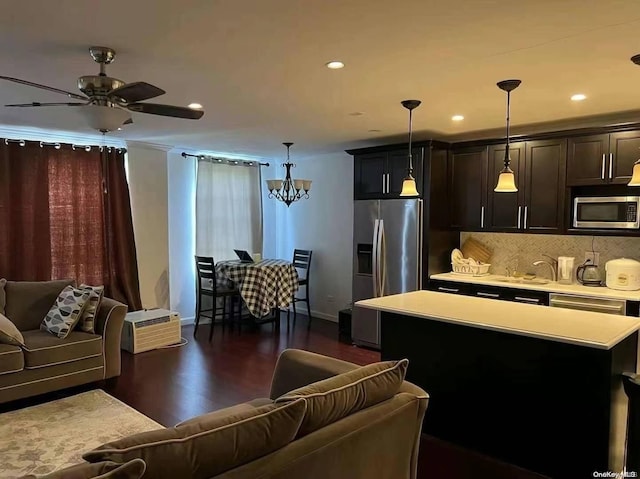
[(45, 87), (128, 122), (166, 110), (136, 91), (35, 103)]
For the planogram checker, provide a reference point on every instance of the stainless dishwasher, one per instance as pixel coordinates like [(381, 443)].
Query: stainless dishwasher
[(585, 303)]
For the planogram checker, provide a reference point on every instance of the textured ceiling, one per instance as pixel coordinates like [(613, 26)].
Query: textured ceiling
[(258, 66)]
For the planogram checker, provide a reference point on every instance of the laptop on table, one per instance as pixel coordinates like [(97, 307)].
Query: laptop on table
[(243, 255)]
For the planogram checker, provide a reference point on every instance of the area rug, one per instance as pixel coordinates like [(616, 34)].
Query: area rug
[(51, 436)]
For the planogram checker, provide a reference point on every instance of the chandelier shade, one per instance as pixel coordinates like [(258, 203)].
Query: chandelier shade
[(288, 190)]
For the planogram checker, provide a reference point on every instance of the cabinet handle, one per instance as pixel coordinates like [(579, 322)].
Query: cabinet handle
[(388, 189), (525, 216), (383, 184), (610, 165), (519, 215), (482, 217), (487, 295), (448, 290), (604, 159), (527, 300)]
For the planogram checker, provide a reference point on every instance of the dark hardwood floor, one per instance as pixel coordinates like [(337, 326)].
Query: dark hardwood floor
[(174, 384)]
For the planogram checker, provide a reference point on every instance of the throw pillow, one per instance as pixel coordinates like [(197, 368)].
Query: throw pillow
[(87, 320), (9, 334), (3, 295), (65, 312), (211, 446), (102, 470), (334, 398)]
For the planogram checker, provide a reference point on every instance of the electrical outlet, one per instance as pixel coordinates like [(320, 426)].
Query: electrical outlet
[(593, 256)]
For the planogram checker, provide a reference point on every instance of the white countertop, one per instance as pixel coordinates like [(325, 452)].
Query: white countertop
[(584, 328), (551, 287)]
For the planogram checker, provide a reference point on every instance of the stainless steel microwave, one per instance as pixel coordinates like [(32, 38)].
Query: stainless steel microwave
[(612, 212)]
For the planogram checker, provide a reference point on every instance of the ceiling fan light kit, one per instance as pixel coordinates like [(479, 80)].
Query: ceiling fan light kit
[(107, 101)]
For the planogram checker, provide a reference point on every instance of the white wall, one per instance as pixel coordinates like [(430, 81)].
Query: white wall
[(147, 167), (324, 224), (181, 209)]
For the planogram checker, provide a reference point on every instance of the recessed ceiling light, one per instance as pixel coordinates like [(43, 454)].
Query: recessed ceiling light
[(335, 65), (578, 97), (195, 106), (457, 117)]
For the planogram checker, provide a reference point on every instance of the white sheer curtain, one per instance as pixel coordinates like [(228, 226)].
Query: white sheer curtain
[(228, 209)]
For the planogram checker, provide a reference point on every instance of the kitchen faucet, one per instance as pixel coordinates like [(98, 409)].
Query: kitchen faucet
[(553, 264)]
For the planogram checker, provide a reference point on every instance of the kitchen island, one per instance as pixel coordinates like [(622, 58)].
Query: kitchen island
[(534, 386)]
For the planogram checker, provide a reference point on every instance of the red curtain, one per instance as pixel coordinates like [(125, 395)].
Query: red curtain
[(57, 219)]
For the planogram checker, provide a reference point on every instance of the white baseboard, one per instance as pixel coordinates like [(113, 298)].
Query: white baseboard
[(187, 321)]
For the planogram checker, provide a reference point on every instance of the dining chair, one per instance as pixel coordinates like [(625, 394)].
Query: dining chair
[(302, 263), (206, 286)]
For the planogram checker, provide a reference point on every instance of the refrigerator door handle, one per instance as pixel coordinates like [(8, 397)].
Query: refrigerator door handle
[(382, 261), (374, 254)]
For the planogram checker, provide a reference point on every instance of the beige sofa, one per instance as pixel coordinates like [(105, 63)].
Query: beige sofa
[(379, 441), (48, 363)]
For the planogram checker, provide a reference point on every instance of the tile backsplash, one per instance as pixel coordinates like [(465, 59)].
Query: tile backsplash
[(522, 250)]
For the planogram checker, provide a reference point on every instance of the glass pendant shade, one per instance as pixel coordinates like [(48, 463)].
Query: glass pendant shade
[(409, 187), (506, 182), (635, 178)]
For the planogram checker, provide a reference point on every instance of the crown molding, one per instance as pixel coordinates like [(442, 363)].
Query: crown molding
[(148, 146)]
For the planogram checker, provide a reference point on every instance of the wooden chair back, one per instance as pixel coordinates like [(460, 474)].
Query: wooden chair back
[(205, 270), (302, 260)]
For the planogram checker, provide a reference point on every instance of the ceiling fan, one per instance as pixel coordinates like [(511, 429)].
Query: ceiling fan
[(107, 102)]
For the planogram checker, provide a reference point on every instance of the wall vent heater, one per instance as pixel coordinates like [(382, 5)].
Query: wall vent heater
[(150, 329)]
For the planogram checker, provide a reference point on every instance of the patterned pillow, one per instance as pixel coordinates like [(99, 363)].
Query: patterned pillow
[(65, 312), (87, 320)]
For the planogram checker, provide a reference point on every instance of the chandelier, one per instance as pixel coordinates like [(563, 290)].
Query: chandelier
[(288, 190)]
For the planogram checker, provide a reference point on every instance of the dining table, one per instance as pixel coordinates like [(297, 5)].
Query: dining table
[(264, 285)]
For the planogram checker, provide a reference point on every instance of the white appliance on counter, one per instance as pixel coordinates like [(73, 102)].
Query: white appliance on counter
[(623, 274)]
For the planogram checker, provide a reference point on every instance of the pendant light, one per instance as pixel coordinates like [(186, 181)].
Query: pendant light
[(506, 179), (409, 187), (635, 176)]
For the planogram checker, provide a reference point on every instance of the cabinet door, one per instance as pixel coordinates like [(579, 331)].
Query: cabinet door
[(625, 151), (468, 183), (544, 185), (587, 160), (397, 164), (505, 209), (369, 176)]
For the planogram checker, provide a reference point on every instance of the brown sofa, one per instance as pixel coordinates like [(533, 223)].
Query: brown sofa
[(380, 441), (48, 363)]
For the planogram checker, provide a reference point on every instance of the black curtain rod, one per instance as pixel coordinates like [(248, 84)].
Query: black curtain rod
[(58, 145), (185, 155)]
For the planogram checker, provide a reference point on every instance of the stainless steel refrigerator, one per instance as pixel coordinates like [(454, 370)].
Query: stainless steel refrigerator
[(387, 258)]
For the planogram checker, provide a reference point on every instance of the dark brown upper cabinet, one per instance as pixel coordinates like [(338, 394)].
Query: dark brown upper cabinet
[(468, 188), (379, 175), (625, 151), (505, 209), (602, 159), (544, 185)]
